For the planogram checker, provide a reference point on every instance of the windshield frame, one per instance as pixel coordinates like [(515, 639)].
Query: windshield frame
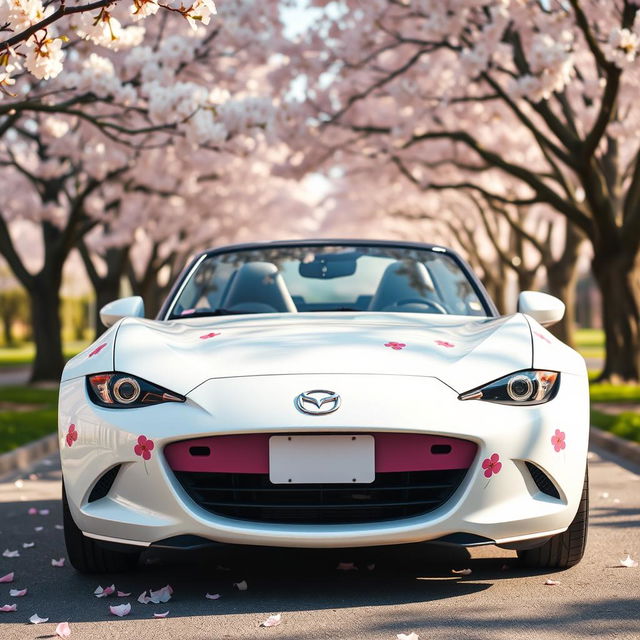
[(181, 282)]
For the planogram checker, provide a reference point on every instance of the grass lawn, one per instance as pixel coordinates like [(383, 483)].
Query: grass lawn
[(26, 414), (590, 343), (24, 354), (626, 424)]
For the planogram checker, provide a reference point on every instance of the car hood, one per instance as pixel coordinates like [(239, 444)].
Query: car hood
[(181, 354)]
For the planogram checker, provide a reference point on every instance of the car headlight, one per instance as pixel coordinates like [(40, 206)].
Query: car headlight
[(519, 388), (122, 391)]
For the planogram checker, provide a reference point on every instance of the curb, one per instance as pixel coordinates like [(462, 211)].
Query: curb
[(22, 457), (629, 451)]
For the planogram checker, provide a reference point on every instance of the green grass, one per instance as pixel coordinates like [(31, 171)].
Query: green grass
[(606, 392), (24, 354), (20, 427), (590, 343), (626, 425)]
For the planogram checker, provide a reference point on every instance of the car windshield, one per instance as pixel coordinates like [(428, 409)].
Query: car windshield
[(291, 279)]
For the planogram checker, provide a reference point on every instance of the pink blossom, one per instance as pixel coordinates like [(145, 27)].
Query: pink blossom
[(72, 435), (491, 465), (144, 447), (557, 440)]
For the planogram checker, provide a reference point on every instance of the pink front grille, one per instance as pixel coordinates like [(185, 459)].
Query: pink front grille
[(249, 453)]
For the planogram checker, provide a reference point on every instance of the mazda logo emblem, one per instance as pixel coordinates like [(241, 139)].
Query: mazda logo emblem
[(318, 402)]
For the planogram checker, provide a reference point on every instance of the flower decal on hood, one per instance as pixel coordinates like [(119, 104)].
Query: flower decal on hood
[(444, 343), (97, 350), (72, 435), (144, 447), (206, 336), (396, 346)]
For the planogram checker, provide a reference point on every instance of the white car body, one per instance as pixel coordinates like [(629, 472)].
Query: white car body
[(241, 374)]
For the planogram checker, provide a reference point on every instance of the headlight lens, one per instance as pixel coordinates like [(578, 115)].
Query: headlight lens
[(519, 388), (120, 391)]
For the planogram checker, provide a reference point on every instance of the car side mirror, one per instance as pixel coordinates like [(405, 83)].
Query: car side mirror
[(546, 309), (132, 307)]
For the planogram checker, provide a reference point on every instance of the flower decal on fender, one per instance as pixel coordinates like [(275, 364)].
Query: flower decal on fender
[(557, 440), (144, 447), (97, 350), (72, 435), (542, 337), (396, 346), (491, 465), (444, 343), (206, 336)]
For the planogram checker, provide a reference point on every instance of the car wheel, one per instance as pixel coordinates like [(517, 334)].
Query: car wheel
[(565, 549), (86, 555)]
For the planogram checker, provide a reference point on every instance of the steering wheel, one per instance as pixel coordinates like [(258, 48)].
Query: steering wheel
[(436, 306)]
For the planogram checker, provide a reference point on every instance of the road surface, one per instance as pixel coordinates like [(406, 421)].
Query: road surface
[(410, 589)]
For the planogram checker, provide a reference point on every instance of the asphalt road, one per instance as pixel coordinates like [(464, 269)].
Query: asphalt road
[(411, 588)]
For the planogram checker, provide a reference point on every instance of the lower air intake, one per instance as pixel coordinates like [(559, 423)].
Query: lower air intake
[(542, 480), (104, 484)]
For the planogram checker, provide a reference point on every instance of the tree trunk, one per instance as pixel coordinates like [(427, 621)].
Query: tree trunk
[(107, 287), (618, 276), (45, 320), (562, 276), (107, 291), (7, 329), (561, 281)]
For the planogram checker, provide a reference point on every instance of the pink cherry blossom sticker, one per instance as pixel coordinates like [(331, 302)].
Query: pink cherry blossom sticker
[(144, 447), (396, 346), (557, 440), (206, 336), (72, 435), (444, 343), (491, 465), (97, 350)]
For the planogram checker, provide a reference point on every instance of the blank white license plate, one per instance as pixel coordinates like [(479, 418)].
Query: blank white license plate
[(321, 459)]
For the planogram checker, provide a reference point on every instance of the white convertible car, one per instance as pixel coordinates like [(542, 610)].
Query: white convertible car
[(325, 394)]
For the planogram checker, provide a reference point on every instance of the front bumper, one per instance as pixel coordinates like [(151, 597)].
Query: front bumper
[(147, 504)]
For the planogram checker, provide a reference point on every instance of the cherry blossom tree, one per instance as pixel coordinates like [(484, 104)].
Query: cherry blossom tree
[(488, 94), (40, 29), (150, 239), (75, 146)]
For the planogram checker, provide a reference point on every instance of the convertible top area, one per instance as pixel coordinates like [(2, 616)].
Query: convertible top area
[(332, 275)]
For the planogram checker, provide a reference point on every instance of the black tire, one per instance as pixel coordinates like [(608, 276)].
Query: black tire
[(86, 555), (565, 549)]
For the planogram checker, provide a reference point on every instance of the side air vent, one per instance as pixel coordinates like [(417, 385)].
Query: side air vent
[(542, 480), (104, 484)]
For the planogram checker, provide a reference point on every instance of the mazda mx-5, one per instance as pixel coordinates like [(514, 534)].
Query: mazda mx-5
[(325, 394)]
